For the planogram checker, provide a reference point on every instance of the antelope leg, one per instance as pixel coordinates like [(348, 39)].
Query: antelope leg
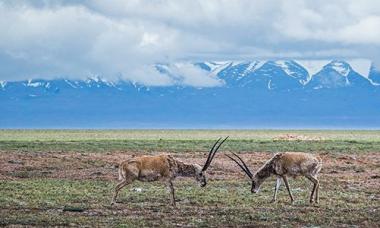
[(118, 187), (171, 188), (315, 189), (317, 194), (278, 183), (288, 188)]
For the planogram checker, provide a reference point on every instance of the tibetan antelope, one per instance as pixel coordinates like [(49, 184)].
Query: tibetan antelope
[(162, 168), (283, 165)]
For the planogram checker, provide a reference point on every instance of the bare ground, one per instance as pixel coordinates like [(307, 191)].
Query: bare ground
[(359, 172), (364, 168)]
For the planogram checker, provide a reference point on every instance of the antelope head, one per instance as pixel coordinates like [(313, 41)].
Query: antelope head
[(256, 182), (200, 172)]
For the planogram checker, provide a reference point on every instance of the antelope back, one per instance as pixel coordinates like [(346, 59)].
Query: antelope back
[(296, 163), (160, 164)]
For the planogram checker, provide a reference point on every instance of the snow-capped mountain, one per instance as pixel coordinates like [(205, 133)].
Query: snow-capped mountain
[(288, 74), (270, 93), (280, 74), (339, 74)]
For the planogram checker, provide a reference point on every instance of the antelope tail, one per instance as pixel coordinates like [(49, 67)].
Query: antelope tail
[(121, 173)]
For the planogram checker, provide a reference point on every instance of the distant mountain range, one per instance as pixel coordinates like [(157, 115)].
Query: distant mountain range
[(252, 94)]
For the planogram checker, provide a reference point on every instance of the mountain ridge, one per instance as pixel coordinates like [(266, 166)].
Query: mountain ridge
[(252, 94), (232, 72)]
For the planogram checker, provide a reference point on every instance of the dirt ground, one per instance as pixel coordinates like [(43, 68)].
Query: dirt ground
[(352, 173), (362, 169)]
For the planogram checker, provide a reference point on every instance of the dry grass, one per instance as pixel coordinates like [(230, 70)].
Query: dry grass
[(44, 184)]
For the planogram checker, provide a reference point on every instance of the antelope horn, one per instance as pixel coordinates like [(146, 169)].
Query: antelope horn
[(209, 155), (246, 167), (217, 148), (249, 174)]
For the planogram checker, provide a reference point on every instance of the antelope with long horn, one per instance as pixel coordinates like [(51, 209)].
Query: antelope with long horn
[(283, 165), (162, 168)]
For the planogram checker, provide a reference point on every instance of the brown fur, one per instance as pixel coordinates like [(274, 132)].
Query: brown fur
[(162, 168), (289, 164), (143, 167), (155, 168)]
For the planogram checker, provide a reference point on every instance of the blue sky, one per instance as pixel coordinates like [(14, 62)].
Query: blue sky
[(122, 39)]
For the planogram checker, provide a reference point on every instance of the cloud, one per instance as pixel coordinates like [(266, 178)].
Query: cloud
[(188, 74), (331, 23), (120, 38), (149, 76)]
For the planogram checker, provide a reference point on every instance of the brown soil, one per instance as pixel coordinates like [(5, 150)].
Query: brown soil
[(363, 170)]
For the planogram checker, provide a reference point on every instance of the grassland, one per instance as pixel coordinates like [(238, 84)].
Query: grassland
[(58, 178), (179, 141)]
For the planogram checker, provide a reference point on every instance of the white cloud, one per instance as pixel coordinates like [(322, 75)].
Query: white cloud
[(188, 74), (149, 39), (331, 22), (149, 76), (361, 66), (366, 31), (54, 38)]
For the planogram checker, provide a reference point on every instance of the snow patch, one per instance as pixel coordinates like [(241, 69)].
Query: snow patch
[(33, 84), (235, 63), (106, 82), (222, 62), (93, 78), (253, 66), (285, 67), (340, 67), (218, 66), (211, 65), (110, 84), (70, 84), (98, 81), (222, 66), (270, 84)]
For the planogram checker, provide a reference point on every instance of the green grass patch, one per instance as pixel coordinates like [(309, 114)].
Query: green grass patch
[(186, 140), (86, 203), (180, 146)]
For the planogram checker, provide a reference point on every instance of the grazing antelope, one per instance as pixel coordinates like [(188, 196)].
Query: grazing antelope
[(162, 168), (283, 165)]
